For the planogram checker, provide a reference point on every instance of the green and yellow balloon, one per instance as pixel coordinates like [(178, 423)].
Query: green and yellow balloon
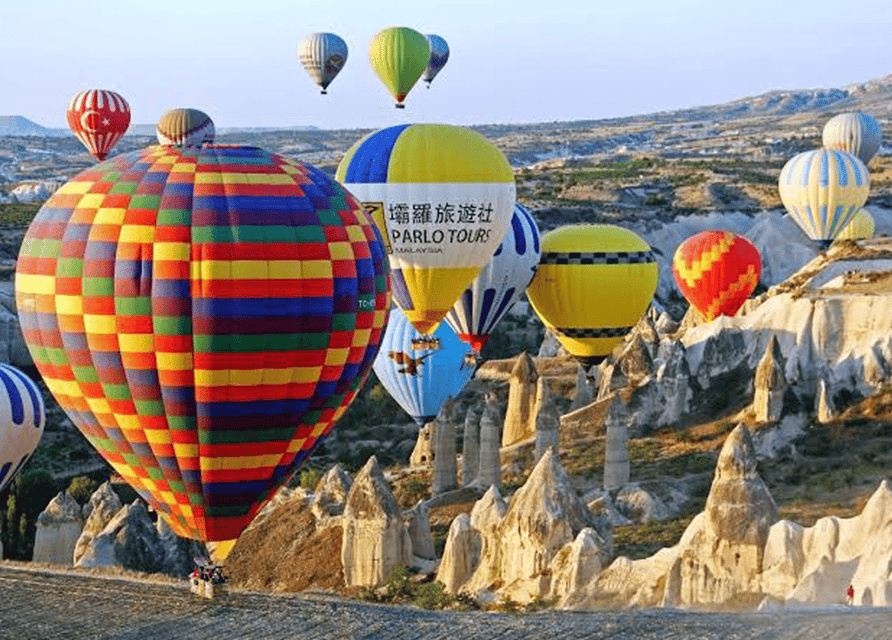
[(399, 56)]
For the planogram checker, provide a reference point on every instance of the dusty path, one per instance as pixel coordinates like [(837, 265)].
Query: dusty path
[(35, 604)]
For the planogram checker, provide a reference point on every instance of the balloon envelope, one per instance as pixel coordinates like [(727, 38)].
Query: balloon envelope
[(22, 419), (593, 284), (399, 56), (499, 284), (716, 271), (99, 118), (203, 315), (439, 57), (861, 227), (323, 55), (856, 133), (443, 198), (421, 380), (185, 127), (822, 190)]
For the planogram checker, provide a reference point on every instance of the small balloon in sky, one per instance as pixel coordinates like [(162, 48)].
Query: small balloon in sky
[(185, 127), (323, 55), (399, 56), (439, 57), (99, 118)]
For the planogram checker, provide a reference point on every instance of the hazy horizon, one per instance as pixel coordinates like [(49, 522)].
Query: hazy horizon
[(537, 62)]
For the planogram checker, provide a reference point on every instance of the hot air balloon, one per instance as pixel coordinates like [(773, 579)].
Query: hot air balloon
[(203, 315), (185, 128), (443, 197), (716, 271), (99, 118), (439, 57), (822, 190), (499, 284), (399, 56), (323, 55), (421, 380), (22, 418), (861, 227), (594, 283), (856, 133)]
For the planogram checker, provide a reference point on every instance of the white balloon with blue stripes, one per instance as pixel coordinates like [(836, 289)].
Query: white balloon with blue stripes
[(822, 191), (22, 419), (499, 284)]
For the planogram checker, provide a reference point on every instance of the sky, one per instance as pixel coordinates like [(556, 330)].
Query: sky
[(510, 61)]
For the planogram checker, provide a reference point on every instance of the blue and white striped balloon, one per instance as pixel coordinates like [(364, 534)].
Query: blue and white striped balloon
[(499, 284), (421, 379), (856, 133), (822, 190), (22, 418)]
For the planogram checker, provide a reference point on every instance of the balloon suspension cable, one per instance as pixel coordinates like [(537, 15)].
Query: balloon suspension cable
[(426, 343)]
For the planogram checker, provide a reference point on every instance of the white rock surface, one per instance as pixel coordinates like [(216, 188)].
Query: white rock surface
[(330, 494), (544, 515), (58, 529), (98, 512), (375, 539)]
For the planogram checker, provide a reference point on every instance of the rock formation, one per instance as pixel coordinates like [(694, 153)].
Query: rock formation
[(489, 468), (771, 384), (444, 476), (418, 526), (583, 395), (548, 420), (815, 565), (517, 551), (470, 447), (575, 564), (331, 491), (375, 539), (58, 529), (423, 453), (520, 416), (461, 554), (720, 554), (98, 512), (130, 540), (616, 447)]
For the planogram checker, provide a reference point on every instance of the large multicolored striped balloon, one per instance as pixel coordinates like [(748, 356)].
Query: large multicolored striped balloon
[(185, 127), (99, 118), (22, 418), (716, 271), (822, 190), (593, 284), (419, 378), (443, 197), (856, 133), (399, 56), (322, 55), (861, 227), (439, 57), (499, 284), (203, 315)]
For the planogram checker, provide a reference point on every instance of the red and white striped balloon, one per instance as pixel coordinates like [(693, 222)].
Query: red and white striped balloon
[(99, 118)]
